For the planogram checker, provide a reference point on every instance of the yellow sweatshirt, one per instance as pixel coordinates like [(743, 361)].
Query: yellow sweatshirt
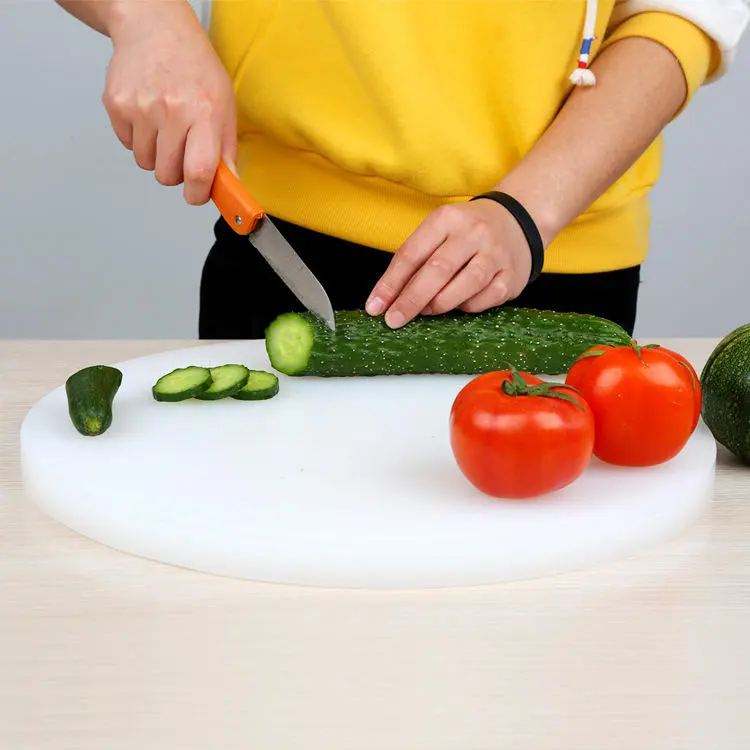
[(357, 118)]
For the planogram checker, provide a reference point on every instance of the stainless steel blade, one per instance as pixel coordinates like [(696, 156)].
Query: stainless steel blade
[(271, 244)]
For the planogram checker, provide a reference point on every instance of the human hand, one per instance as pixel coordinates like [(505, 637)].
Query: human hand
[(471, 256), (169, 98)]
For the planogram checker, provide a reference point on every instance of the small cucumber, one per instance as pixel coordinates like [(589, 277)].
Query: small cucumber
[(182, 384), (91, 393), (227, 380), (260, 385)]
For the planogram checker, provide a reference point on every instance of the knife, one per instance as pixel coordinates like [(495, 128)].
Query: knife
[(242, 212)]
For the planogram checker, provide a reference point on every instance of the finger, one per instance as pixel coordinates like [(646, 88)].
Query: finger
[(435, 273), (471, 281), (229, 140), (116, 107), (409, 258), (494, 294), (202, 155), (123, 129), (144, 144), (170, 153)]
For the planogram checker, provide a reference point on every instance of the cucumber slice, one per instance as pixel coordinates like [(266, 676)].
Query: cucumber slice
[(290, 340), (227, 380), (182, 384), (260, 385)]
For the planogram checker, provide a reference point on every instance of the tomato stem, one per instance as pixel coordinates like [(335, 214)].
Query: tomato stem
[(633, 345), (638, 348), (517, 386)]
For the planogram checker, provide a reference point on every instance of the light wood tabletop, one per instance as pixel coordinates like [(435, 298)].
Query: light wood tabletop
[(100, 650)]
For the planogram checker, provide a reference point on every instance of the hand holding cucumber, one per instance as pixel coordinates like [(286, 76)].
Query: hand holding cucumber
[(169, 98), (472, 256)]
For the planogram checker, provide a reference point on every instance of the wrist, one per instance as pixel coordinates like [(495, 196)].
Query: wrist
[(541, 198), (127, 17), (526, 224)]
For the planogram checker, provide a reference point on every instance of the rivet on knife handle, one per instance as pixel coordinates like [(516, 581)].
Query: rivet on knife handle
[(239, 209)]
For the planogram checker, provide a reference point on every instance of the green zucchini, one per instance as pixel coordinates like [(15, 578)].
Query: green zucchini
[(536, 341), (182, 383), (91, 393), (260, 385), (226, 381), (725, 385)]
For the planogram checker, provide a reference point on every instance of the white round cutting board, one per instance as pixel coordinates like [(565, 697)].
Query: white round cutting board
[(345, 482)]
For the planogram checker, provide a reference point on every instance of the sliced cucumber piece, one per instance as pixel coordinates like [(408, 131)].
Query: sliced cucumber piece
[(227, 380), (290, 341), (91, 393), (260, 385), (182, 384)]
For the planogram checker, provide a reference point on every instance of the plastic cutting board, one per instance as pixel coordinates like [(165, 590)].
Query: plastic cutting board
[(334, 482)]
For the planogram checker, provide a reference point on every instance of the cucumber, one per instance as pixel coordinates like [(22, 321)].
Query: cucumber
[(91, 393), (227, 380), (725, 383), (260, 385), (536, 341), (182, 383)]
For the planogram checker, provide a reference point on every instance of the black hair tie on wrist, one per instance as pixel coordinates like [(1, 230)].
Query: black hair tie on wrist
[(522, 216)]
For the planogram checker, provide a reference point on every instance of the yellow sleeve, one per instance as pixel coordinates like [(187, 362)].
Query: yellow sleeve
[(696, 52)]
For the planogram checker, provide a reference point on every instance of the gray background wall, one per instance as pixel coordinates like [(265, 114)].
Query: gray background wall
[(93, 247)]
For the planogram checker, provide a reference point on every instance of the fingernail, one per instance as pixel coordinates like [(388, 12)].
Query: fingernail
[(395, 319), (375, 306), (427, 310)]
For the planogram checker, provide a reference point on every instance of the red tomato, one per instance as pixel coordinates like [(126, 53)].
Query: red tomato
[(698, 393), (516, 445), (644, 406)]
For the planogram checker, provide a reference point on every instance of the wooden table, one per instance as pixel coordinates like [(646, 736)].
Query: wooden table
[(103, 651)]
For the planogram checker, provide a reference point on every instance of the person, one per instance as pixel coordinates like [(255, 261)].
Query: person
[(368, 131)]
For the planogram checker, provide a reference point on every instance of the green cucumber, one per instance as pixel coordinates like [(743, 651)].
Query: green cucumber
[(725, 385), (260, 385), (227, 380), (182, 384), (91, 393), (536, 341)]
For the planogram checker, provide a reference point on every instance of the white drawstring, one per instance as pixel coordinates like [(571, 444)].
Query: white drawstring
[(582, 76)]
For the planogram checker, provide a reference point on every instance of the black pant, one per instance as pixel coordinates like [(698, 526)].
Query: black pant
[(240, 293)]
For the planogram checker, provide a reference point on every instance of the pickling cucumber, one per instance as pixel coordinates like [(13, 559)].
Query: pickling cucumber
[(536, 341), (90, 393), (182, 384), (226, 381), (260, 385)]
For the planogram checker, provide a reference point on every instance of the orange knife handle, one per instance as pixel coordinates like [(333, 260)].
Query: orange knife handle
[(239, 209)]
